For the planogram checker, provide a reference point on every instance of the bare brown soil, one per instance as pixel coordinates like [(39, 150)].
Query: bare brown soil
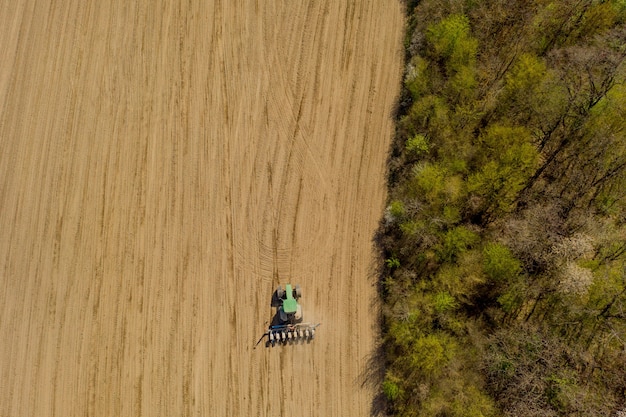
[(162, 169)]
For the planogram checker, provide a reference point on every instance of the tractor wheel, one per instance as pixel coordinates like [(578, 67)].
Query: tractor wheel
[(297, 292), (280, 292)]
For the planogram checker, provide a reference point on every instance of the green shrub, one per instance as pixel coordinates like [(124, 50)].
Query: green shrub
[(391, 387), (417, 145)]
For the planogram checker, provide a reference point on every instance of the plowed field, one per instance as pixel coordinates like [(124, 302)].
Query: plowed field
[(163, 167)]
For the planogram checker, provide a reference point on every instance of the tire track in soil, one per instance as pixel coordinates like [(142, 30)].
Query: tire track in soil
[(161, 169)]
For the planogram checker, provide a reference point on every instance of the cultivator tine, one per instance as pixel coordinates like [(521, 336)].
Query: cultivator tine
[(291, 334)]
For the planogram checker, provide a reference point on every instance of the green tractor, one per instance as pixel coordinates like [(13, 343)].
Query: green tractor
[(287, 325), (289, 311)]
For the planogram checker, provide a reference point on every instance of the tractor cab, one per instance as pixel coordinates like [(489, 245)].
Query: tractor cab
[(289, 310)]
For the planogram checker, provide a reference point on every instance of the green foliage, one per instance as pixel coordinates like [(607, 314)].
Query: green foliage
[(431, 353), (418, 145), (512, 145), (435, 183), (412, 227), (511, 300), (608, 291), (391, 387), (403, 333), (430, 181), (567, 23), (533, 94), (598, 18), (455, 242), (461, 87), (428, 113), (619, 7), (610, 113), (458, 400), (526, 76), (453, 51), (499, 263), (444, 302), (507, 159), (451, 41), (556, 391), (606, 130), (470, 270), (451, 214), (392, 263), (509, 147), (417, 79), (396, 209)]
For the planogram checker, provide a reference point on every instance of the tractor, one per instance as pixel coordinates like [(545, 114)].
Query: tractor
[(289, 311), (287, 325)]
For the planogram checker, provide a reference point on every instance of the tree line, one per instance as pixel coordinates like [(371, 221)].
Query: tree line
[(504, 240)]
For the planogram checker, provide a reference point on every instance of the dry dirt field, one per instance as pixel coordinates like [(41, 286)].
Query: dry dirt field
[(162, 169)]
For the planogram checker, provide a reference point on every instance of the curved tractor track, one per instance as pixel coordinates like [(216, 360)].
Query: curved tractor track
[(162, 168)]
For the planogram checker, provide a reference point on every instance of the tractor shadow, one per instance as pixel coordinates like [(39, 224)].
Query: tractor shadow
[(275, 304), (276, 301)]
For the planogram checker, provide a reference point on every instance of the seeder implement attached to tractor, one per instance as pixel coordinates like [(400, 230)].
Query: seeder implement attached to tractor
[(285, 333)]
